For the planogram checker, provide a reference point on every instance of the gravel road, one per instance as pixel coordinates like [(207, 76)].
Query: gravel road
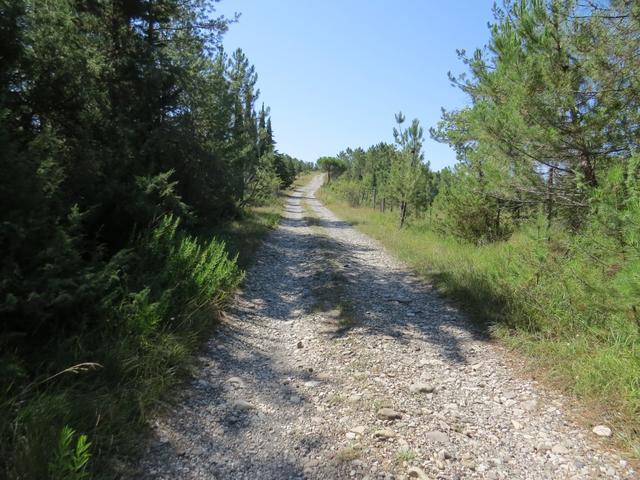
[(334, 361)]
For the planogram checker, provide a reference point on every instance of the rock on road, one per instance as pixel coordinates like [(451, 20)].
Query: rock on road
[(334, 361)]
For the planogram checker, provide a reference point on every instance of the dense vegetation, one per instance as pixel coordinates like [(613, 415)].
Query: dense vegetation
[(537, 226), (127, 134)]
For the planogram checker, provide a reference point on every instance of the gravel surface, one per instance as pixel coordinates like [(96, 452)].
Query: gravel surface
[(336, 362)]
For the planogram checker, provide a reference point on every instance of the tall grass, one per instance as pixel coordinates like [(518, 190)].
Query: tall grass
[(570, 314)]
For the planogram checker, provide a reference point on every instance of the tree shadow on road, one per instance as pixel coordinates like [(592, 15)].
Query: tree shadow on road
[(337, 279), (311, 266)]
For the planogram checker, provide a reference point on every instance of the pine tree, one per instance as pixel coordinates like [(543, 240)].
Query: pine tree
[(408, 173), (269, 138)]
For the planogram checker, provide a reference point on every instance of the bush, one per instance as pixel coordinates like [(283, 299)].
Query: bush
[(156, 301)]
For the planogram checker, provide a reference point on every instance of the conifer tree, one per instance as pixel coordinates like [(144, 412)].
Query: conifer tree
[(408, 172)]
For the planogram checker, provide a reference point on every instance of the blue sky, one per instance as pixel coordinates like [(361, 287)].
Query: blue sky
[(335, 72)]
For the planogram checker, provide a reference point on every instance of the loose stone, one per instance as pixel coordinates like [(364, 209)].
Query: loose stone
[(388, 414), (602, 431), (559, 449), (436, 436), (236, 382), (242, 406), (421, 387), (384, 434), (416, 472)]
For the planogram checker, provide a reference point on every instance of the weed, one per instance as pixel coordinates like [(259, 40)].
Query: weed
[(405, 455), (336, 399)]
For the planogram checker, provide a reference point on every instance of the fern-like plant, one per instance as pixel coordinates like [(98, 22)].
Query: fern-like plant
[(70, 462)]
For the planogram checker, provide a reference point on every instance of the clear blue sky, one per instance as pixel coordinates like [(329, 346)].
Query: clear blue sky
[(334, 72)]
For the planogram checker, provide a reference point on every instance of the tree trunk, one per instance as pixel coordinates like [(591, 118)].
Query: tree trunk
[(549, 203), (587, 169), (403, 213), (373, 204)]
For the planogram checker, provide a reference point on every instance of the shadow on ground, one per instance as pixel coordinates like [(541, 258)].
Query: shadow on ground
[(311, 265)]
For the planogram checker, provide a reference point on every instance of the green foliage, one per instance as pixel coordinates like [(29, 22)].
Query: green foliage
[(267, 181), (543, 110), (155, 302), (350, 190), (408, 174), (157, 195), (242, 236), (69, 462), (332, 165), (288, 168), (206, 273), (465, 209)]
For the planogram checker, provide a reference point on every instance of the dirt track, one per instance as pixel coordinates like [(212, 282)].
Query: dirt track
[(336, 362)]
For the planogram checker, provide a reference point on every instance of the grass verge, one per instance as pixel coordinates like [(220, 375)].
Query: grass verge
[(556, 307)]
